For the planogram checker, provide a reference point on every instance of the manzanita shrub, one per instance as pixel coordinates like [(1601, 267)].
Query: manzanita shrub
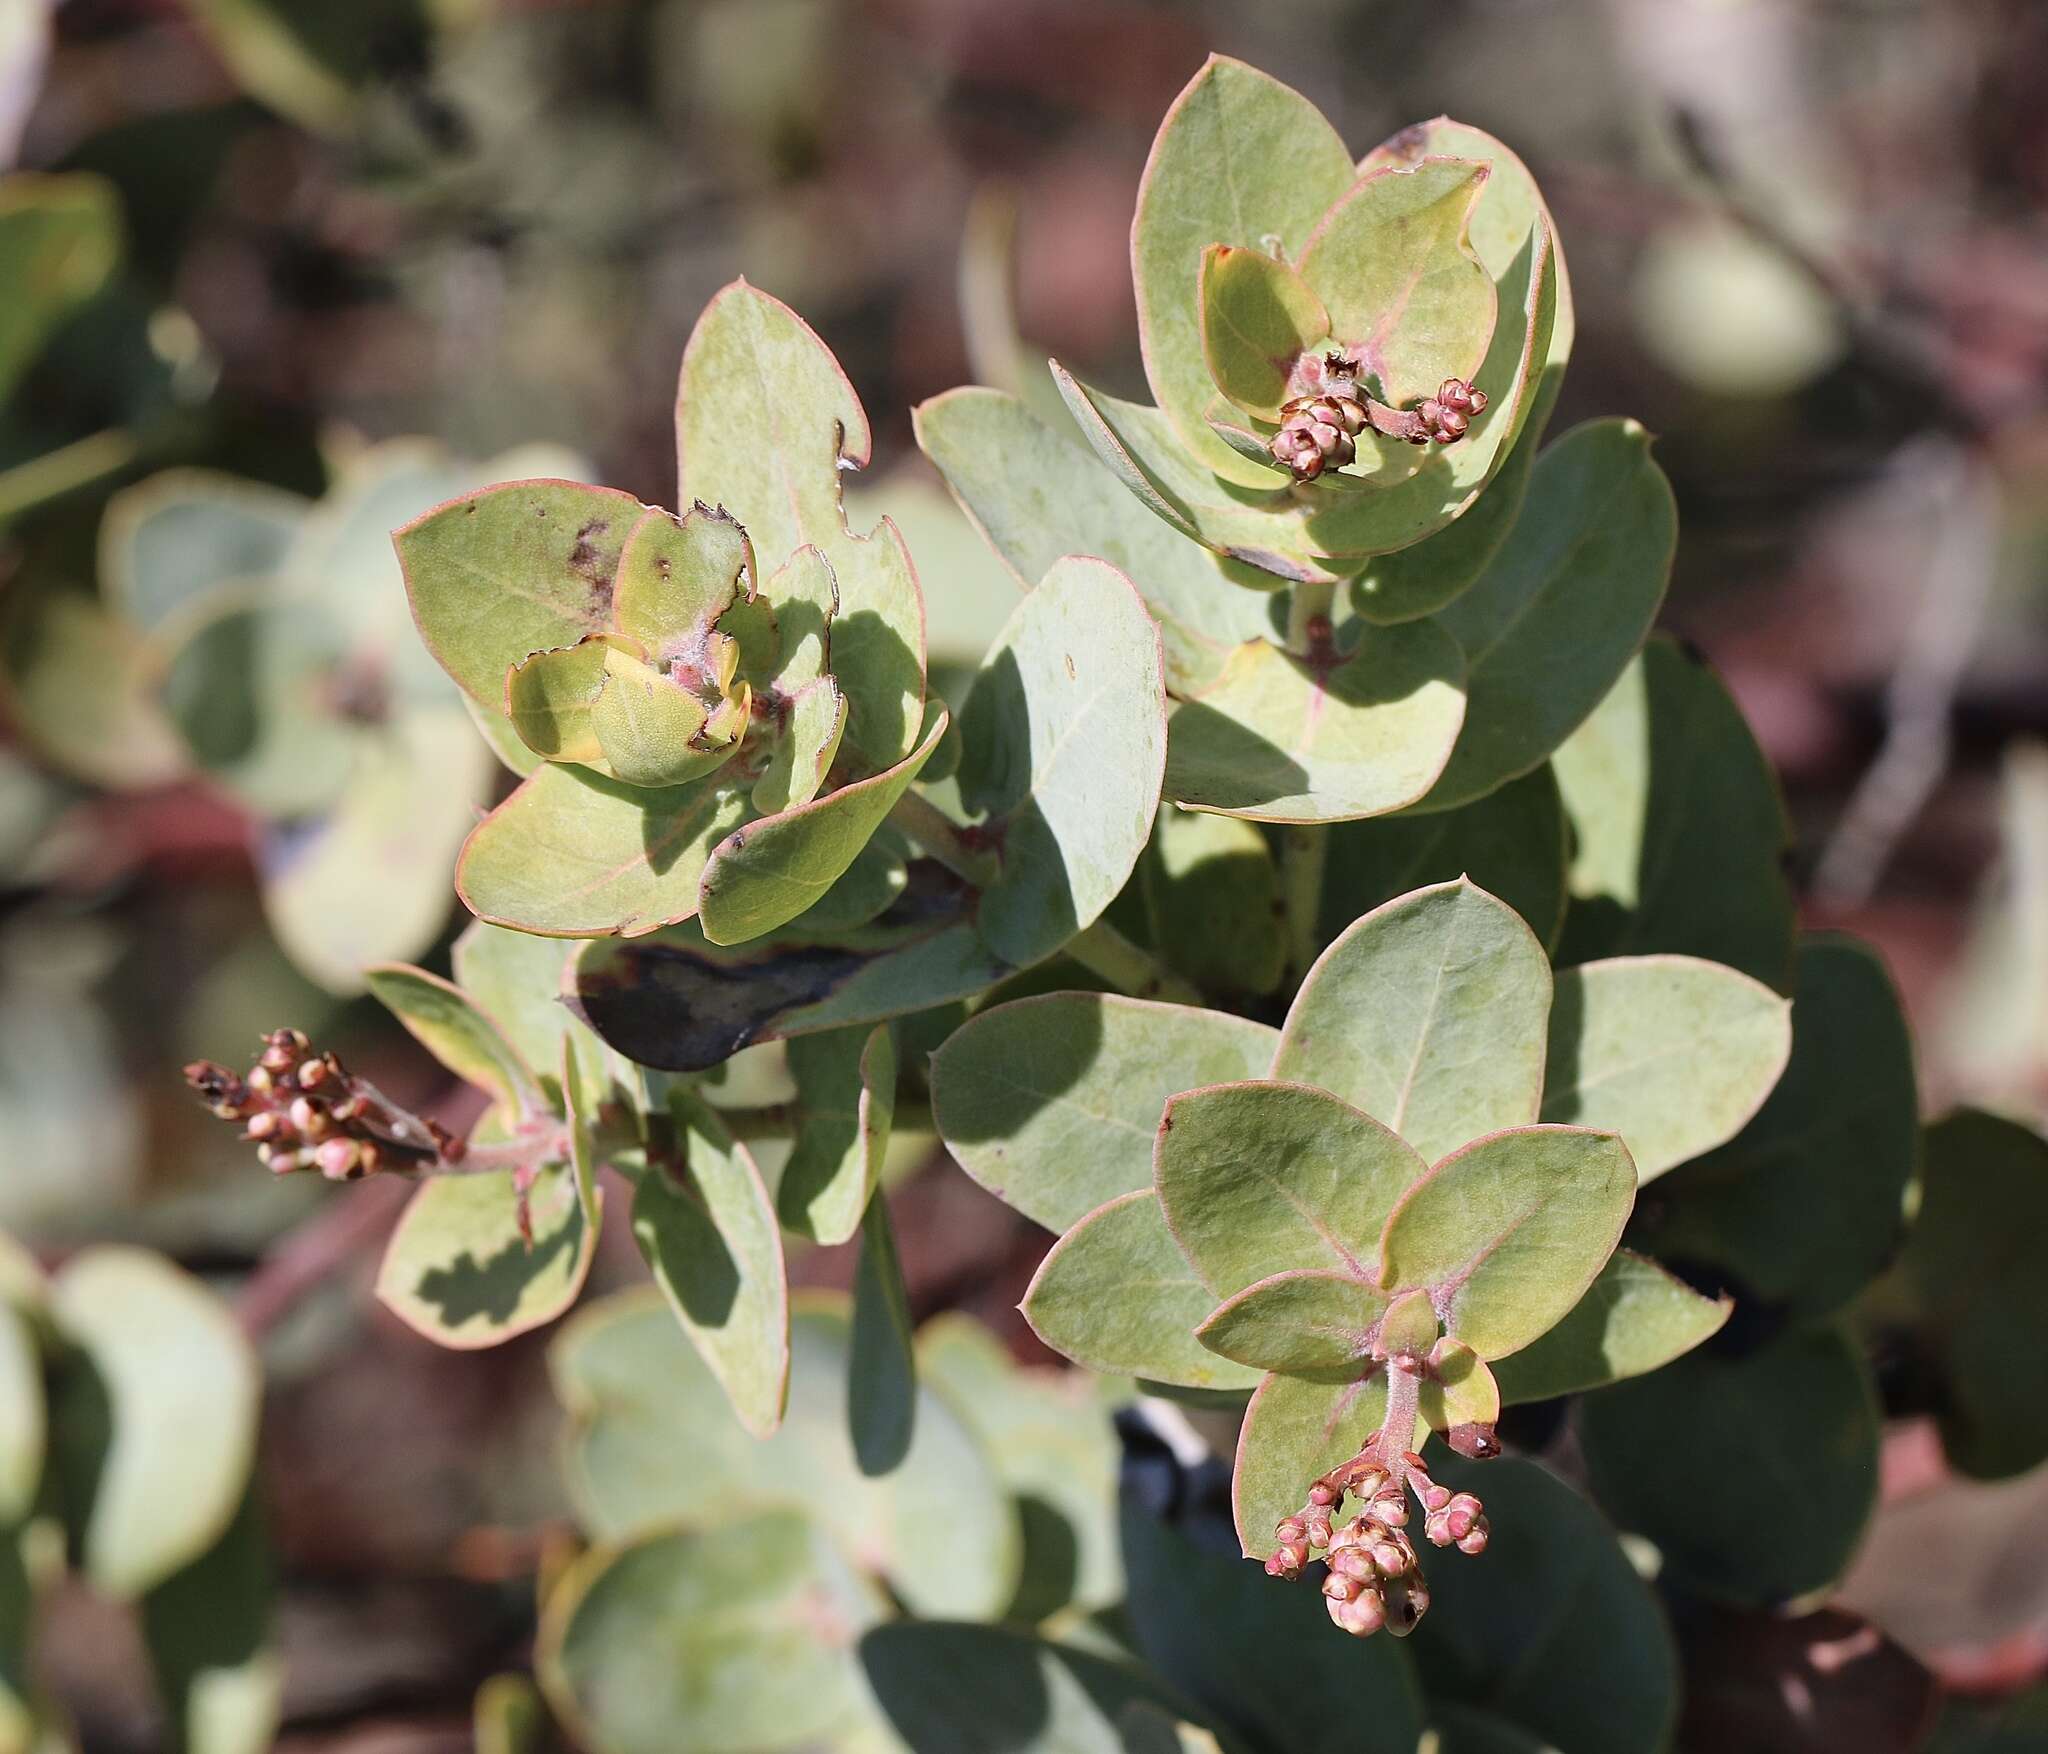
[(1327, 916)]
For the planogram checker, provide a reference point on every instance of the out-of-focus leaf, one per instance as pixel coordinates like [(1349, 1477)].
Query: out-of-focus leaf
[(23, 1416), (1981, 1299), (1051, 1437), (210, 1642), (960, 1689), (651, 1445), (158, 1413), (166, 541), (60, 238), (708, 1640)]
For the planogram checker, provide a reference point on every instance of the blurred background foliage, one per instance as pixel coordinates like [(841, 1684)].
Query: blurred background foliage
[(261, 237)]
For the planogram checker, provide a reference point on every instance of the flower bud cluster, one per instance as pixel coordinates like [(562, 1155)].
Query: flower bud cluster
[(1319, 432), (1375, 1578), (303, 1110)]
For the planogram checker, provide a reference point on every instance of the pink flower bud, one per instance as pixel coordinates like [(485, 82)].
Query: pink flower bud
[(340, 1159)]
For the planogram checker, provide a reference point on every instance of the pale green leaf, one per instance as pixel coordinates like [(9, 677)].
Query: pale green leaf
[(1634, 1318), (1258, 318), (572, 854), (1507, 1234), (368, 882), (1428, 1014), (1239, 159), (24, 1420), (1281, 739), (1407, 297), (1036, 495), (1314, 1322), (1803, 1207), (1052, 1103), (651, 1445), (1426, 576), (169, 539), (1260, 1178), (715, 1639), (770, 872), (655, 732), (1050, 1434), (677, 576), (805, 750), (180, 1388), (1063, 741), (1295, 1431), (456, 1030), (458, 1269), (1117, 1295), (1674, 1054), (519, 981), (513, 570), (707, 1230), (754, 367), (550, 698)]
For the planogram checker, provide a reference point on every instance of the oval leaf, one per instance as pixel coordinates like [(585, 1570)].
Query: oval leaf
[(1117, 1295), (457, 1031), (1634, 1318), (1280, 739), (1063, 744), (522, 568), (1428, 1014), (1315, 1323), (177, 1388), (1052, 1103), (1258, 318), (1672, 1053), (1507, 1234), (1259, 1178), (846, 1083), (1778, 1516)]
